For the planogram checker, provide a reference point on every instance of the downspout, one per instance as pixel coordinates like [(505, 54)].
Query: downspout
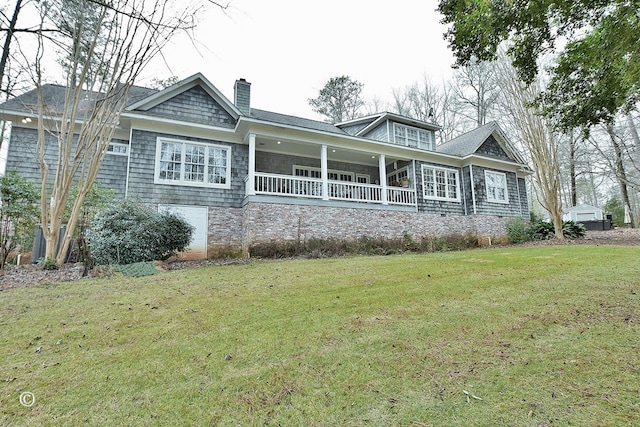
[(473, 191)]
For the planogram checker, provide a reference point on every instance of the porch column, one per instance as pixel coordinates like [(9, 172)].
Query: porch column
[(324, 173), (382, 160), (251, 176)]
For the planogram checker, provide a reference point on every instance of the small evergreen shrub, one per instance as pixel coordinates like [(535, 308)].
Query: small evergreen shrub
[(573, 230), (127, 233), (517, 230), (541, 230)]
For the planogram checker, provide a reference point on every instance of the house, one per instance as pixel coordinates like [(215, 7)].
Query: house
[(243, 175)]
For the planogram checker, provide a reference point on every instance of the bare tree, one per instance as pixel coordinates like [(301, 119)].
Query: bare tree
[(430, 103), (536, 136), (476, 90), (104, 48), (621, 173)]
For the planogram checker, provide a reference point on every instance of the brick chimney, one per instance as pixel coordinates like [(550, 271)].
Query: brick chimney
[(242, 96)]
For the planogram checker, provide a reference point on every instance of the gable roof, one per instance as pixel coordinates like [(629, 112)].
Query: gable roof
[(54, 97), (374, 120), (198, 79), (468, 143)]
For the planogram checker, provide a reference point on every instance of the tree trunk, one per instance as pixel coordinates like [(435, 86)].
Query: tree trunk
[(621, 174), (7, 41), (572, 169), (634, 132)]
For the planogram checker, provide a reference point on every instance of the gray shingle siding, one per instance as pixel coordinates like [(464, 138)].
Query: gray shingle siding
[(437, 206), (194, 106), (21, 155), (491, 148), (380, 133), (22, 158), (142, 169), (483, 206), (354, 129), (522, 185)]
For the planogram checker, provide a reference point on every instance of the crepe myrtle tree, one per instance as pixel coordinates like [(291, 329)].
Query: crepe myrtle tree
[(101, 47)]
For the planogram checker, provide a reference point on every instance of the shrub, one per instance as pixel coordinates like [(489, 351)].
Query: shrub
[(127, 233), (321, 248), (517, 230), (18, 213), (541, 230), (573, 230)]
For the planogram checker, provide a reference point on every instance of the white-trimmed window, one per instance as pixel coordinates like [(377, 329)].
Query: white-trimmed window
[(192, 163), (118, 148), (412, 137), (333, 175), (496, 183), (395, 178), (440, 183)]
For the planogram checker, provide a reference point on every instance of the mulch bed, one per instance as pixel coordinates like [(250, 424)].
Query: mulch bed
[(26, 275)]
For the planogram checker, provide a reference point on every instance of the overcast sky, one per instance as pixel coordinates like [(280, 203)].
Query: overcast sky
[(288, 49)]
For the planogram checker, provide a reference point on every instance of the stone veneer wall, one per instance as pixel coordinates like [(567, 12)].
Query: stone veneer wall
[(265, 222), (225, 229)]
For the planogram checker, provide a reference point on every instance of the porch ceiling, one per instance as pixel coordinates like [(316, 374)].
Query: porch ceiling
[(302, 149)]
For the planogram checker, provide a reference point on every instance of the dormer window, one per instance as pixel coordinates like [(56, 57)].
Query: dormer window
[(412, 137)]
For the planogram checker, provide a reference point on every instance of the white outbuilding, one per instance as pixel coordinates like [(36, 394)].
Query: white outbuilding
[(582, 213)]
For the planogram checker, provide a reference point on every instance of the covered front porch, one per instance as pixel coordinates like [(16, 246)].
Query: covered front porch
[(323, 172)]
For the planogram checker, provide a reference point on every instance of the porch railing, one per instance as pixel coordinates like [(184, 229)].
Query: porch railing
[(286, 185), (401, 196)]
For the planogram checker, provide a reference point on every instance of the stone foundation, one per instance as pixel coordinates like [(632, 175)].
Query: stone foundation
[(267, 222)]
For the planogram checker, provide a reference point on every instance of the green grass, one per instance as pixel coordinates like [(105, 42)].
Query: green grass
[(545, 336)]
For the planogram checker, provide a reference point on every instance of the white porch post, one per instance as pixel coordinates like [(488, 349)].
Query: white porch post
[(251, 176), (324, 173), (383, 177)]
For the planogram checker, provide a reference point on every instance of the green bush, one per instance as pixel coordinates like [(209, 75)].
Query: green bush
[(517, 230), (541, 230), (127, 233), (365, 245), (573, 230), (18, 213)]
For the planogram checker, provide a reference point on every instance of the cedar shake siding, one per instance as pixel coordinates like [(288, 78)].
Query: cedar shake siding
[(193, 106), (22, 157), (142, 166)]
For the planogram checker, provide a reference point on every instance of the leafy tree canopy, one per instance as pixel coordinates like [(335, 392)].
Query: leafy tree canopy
[(339, 99), (597, 73)]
